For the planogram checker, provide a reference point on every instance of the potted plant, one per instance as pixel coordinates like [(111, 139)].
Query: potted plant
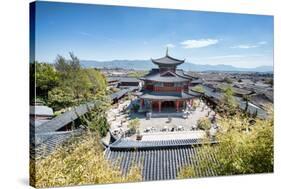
[(138, 135), (134, 125)]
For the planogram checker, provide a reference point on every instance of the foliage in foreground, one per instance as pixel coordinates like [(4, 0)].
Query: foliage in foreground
[(244, 148), (79, 162)]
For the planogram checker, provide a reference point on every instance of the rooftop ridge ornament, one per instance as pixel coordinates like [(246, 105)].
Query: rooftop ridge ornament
[(167, 60)]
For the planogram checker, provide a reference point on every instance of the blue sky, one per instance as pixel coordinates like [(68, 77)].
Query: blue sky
[(95, 32)]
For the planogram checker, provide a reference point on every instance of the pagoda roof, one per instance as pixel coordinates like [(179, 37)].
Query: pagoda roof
[(178, 76), (166, 95), (167, 60)]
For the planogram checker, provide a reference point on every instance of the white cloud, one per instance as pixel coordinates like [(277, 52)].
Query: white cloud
[(169, 45), (199, 43), (258, 44)]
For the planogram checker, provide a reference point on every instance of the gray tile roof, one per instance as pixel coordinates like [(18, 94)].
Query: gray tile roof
[(119, 94), (166, 95), (127, 143), (252, 109), (122, 92), (37, 123), (167, 60), (158, 160), (211, 93), (42, 144), (235, 89), (130, 79), (194, 93), (41, 110), (123, 79), (197, 81), (65, 118), (179, 76), (182, 73)]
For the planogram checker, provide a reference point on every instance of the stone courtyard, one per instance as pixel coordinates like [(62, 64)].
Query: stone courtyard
[(120, 116), (156, 124)]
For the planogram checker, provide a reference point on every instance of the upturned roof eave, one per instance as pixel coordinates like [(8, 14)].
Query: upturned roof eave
[(158, 61)]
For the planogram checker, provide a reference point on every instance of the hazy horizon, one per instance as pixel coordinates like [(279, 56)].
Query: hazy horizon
[(186, 62)]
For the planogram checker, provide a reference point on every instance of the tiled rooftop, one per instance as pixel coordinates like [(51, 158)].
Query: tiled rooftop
[(158, 160)]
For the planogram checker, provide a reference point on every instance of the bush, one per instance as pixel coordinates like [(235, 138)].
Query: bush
[(134, 125), (76, 163), (240, 150), (204, 123)]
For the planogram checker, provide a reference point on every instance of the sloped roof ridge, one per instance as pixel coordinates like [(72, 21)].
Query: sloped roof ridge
[(124, 144)]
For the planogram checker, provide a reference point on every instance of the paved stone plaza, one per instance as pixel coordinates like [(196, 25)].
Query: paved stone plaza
[(119, 118), (158, 123)]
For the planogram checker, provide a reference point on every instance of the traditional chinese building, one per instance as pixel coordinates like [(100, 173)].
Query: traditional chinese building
[(166, 88)]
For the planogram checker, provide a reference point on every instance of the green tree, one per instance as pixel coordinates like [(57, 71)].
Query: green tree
[(46, 78), (85, 84), (80, 84), (228, 102), (98, 81), (61, 98), (96, 119)]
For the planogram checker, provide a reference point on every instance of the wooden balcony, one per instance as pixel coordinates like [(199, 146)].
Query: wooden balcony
[(167, 89)]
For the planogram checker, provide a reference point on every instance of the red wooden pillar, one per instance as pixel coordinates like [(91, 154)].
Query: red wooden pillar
[(159, 106), (177, 105)]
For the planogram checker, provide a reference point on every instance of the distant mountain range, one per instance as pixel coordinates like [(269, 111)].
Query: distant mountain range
[(147, 65)]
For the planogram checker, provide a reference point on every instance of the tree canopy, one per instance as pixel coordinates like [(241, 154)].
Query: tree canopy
[(67, 83), (45, 78)]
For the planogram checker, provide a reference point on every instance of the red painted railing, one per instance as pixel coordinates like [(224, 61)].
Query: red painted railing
[(167, 89)]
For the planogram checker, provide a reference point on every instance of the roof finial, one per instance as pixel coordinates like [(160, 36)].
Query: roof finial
[(167, 51)]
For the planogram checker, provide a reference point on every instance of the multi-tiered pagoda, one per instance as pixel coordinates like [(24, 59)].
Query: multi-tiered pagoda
[(166, 89)]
